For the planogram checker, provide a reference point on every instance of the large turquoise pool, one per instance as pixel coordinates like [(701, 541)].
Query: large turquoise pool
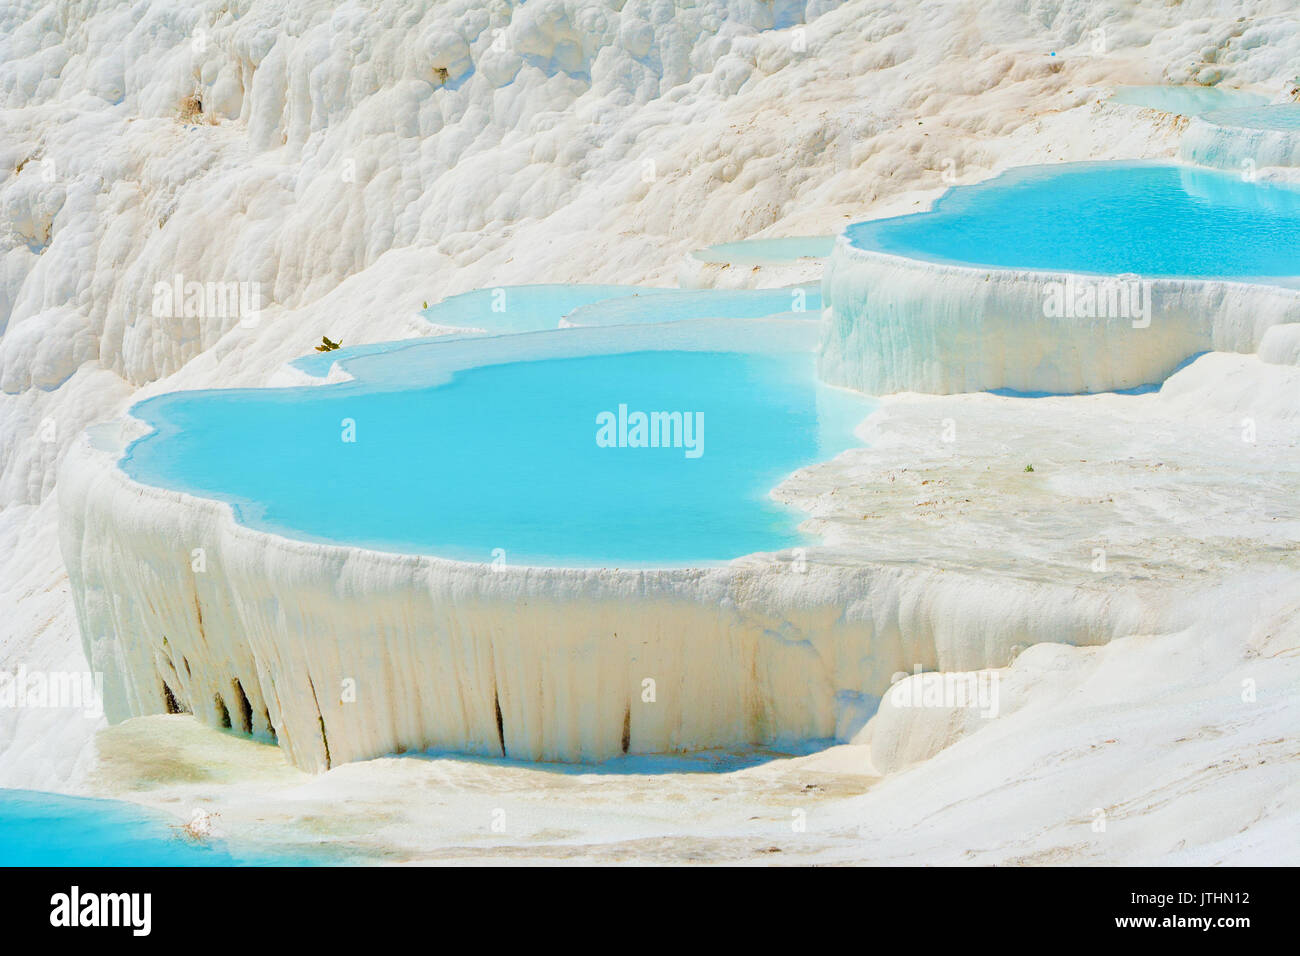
[(1148, 219), (531, 462), (48, 829)]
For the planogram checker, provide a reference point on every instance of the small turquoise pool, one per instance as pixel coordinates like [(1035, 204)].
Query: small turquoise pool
[(779, 251), (1148, 219), (523, 308), (1187, 100), (535, 308), (48, 829), (1283, 118), (645, 458), (503, 310), (678, 305)]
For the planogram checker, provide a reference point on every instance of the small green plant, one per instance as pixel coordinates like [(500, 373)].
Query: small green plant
[(326, 345), (1029, 467)]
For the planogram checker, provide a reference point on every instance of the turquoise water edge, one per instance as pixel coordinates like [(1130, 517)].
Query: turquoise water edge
[(513, 459), (50, 829), (1147, 219)]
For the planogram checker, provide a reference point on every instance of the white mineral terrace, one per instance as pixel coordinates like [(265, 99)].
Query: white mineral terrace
[(1262, 142), (346, 654), (896, 324)]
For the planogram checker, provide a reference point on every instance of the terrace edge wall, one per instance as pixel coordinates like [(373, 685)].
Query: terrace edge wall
[(346, 654), (894, 324)]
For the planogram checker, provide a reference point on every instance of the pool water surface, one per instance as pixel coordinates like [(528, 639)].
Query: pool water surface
[(534, 462), (1147, 219)]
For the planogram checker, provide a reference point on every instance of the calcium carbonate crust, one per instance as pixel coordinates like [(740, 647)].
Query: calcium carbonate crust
[(345, 653), (895, 324), (1251, 151)]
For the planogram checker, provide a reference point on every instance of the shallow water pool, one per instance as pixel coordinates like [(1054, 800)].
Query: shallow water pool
[(512, 310), (802, 301), (1148, 219), (785, 250), (49, 829), (1284, 117), (523, 308), (1186, 100), (503, 310), (529, 462)]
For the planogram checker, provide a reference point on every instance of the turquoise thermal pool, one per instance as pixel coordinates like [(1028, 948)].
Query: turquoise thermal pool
[(504, 310), (523, 308), (49, 829), (527, 462), (1186, 100), (536, 308), (768, 251), (1283, 118), (804, 301), (1147, 219)]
